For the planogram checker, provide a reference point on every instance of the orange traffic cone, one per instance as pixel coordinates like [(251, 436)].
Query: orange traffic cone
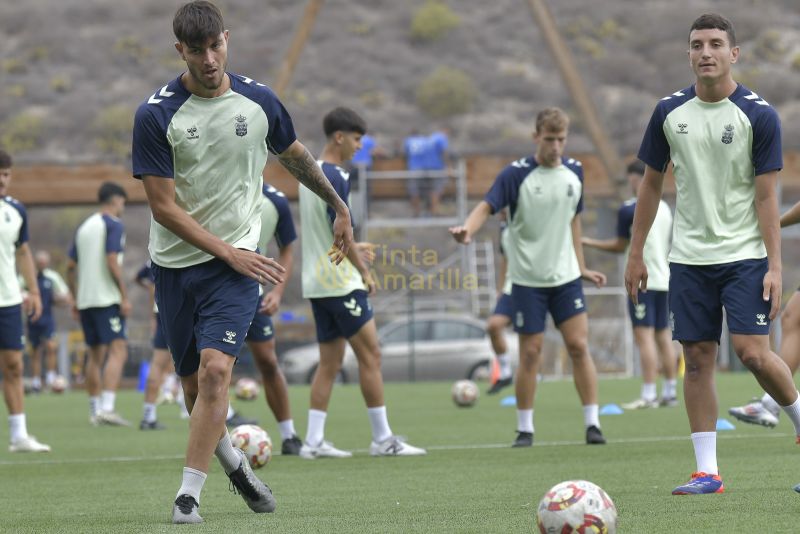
[(494, 374)]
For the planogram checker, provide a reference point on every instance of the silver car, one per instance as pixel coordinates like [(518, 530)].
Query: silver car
[(431, 346)]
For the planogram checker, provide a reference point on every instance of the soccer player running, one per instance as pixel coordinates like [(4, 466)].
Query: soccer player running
[(53, 290), (545, 196), (650, 316), (101, 301), (15, 254), (765, 411), (200, 144), (342, 311), (724, 142), (501, 317), (276, 221)]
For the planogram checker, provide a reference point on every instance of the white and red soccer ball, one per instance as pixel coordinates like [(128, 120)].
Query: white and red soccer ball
[(255, 442), (59, 384), (246, 389), (576, 506), (465, 393)]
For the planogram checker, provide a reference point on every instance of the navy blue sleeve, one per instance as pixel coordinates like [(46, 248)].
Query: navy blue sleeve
[(145, 273), (505, 189), (577, 167), (654, 150), (115, 235), (339, 179), (151, 153), (284, 231), (280, 133), (767, 149), (625, 220), (22, 237), (73, 252)]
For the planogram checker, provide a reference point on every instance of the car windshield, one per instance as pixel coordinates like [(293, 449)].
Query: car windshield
[(454, 330), (403, 333)]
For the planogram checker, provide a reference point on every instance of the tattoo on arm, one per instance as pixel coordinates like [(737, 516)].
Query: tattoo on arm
[(308, 173)]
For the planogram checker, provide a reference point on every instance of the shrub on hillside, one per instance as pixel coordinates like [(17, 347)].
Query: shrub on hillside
[(21, 133), (432, 21), (113, 126), (446, 92)]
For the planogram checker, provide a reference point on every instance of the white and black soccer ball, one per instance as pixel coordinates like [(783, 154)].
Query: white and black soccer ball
[(255, 442), (246, 389), (576, 506), (465, 393), (59, 384)]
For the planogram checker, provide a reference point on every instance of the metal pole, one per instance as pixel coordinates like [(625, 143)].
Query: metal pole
[(296, 46)]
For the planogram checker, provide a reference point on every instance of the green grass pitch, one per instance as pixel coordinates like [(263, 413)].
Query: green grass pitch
[(124, 480)]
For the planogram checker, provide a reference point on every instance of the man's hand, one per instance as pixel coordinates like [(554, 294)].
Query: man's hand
[(635, 277), (460, 234), (366, 251), (32, 305), (342, 234), (772, 292), (259, 268), (595, 277), (125, 307), (270, 303)]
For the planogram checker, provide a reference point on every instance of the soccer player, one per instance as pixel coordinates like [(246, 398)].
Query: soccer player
[(200, 144), (545, 196), (342, 311), (53, 290), (724, 142), (101, 300), (765, 411), (276, 221), (650, 316), (15, 254), (501, 317)]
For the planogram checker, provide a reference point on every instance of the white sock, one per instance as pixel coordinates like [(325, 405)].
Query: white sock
[(94, 406), (769, 403), (169, 383), (230, 412), (380, 424), (649, 392), (149, 412), (793, 411), (49, 377), (227, 455), (505, 366), (181, 400), (525, 421), (705, 452), (669, 389), (591, 415), (107, 399), (17, 428), (316, 427), (36, 382), (192, 483), (287, 428)]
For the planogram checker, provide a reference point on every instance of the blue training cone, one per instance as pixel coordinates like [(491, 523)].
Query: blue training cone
[(611, 409), (724, 424), (144, 370), (511, 400)]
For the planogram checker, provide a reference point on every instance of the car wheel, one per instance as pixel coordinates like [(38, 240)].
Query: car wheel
[(480, 372), (341, 378)]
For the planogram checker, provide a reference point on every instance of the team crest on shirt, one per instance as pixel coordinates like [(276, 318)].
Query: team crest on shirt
[(727, 135), (241, 125)]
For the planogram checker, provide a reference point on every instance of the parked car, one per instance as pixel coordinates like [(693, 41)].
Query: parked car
[(432, 346)]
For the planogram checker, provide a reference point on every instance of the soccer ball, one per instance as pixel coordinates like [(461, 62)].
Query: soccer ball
[(465, 393), (576, 506), (59, 384), (255, 442), (246, 389)]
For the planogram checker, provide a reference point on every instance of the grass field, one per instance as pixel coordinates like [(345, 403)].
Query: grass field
[(124, 480)]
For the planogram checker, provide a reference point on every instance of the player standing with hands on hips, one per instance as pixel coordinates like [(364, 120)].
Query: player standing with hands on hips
[(200, 144)]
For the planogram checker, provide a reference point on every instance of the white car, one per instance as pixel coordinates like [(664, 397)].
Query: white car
[(426, 346)]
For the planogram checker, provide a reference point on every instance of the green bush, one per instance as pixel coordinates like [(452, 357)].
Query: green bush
[(113, 126), (21, 132), (432, 21), (446, 92), (60, 84), (15, 66)]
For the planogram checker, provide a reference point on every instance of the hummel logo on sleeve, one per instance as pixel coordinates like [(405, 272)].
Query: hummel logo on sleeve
[(163, 92)]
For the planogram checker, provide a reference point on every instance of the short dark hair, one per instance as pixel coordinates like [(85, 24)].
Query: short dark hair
[(109, 190), (5, 159), (196, 21), (713, 21), (635, 167), (343, 119)]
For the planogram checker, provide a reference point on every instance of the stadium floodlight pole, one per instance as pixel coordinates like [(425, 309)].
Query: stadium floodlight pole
[(569, 72), (296, 46)]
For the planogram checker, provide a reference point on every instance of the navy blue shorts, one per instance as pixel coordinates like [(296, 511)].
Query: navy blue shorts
[(159, 340), (337, 317), (41, 331), (261, 327), (204, 306), (101, 326), (697, 294), (504, 306), (531, 305), (11, 335), (652, 310)]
